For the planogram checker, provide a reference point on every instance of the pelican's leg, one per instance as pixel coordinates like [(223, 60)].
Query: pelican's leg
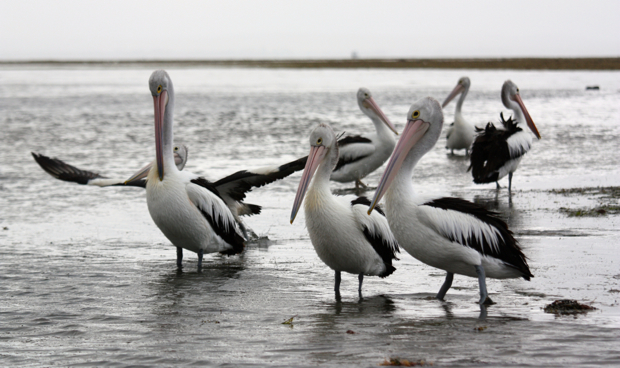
[(452, 151), (361, 278), (497, 185), (179, 257), (484, 296), (200, 254), (337, 285), (358, 184), (446, 286), (509, 182)]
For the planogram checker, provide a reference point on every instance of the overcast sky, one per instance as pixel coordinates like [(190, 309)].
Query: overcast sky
[(259, 29)]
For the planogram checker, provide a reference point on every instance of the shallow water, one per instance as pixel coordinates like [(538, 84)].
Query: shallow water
[(87, 279)]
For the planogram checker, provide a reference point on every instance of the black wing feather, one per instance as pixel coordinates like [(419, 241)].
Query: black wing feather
[(490, 152), (224, 230), (63, 171), (384, 248), (352, 139), (244, 181), (508, 249)]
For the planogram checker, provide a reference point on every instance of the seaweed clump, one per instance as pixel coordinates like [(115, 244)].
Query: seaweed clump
[(396, 362), (567, 306)]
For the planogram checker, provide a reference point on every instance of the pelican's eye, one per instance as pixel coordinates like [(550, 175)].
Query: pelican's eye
[(366, 95), (176, 148), (159, 89), (319, 141), (416, 114), (517, 90)]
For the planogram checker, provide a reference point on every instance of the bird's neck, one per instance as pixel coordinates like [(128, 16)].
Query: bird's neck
[(519, 117), (382, 130), (402, 186), (459, 103)]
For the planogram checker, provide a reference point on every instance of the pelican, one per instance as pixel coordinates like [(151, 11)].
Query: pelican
[(452, 234), (63, 171), (460, 133), (362, 154), (344, 237), (231, 188), (188, 209), (498, 152)]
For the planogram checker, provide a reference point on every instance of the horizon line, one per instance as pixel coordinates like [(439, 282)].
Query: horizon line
[(519, 63)]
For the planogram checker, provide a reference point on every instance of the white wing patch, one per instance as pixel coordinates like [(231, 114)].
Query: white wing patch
[(376, 223), (354, 151), (518, 144), (212, 205), (462, 228)]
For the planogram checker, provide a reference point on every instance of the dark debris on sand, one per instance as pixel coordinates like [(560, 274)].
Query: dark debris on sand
[(396, 362), (567, 306)]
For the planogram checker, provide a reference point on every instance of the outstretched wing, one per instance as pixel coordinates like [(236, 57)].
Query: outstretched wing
[(353, 148), (234, 187), (377, 232), (203, 194), (63, 171), (474, 226)]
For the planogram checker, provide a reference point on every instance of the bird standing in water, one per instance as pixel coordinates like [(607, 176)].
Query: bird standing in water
[(343, 235)]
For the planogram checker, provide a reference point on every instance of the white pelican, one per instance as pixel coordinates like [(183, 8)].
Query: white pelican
[(231, 188), (448, 233), (498, 152), (344, 237), (63, 171), (460, 133), (188, 209), (362, 154)]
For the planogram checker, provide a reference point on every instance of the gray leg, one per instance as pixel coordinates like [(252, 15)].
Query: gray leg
[(179, 257), (359, 290), (484, 296), (509, 182), (200, 254), (337, 285), (446, 286), (452, 151), (497, 185)]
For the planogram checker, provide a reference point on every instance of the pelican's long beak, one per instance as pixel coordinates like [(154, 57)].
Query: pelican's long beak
[(528, 118), (455, 92), (160, 103), (413, 132), (140, 174), (317, 153), (372, 105)]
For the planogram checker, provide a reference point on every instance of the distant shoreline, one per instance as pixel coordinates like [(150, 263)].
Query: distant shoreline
[(472, 63)]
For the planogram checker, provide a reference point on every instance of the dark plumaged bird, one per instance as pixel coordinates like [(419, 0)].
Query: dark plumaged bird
[(495, 152)]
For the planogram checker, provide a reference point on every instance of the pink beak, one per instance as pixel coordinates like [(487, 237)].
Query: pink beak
[(160, 109), (414, 131), (528, 118), (371, 104), (317, 153), (455, 92)]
